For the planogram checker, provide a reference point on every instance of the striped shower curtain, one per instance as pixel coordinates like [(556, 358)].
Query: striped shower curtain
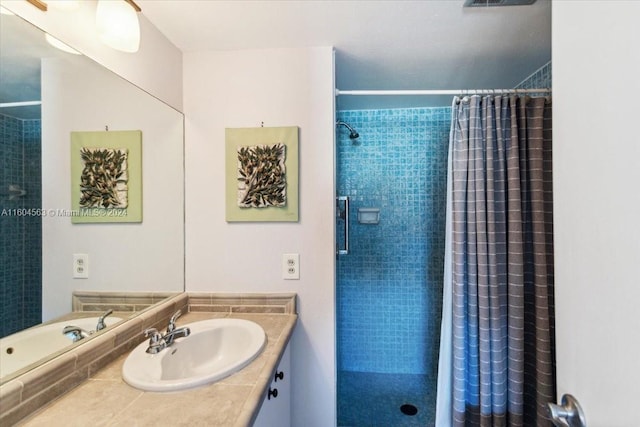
[(502, 261)]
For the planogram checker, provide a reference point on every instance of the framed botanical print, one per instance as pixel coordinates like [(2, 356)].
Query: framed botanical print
[(261, 168), (106, 176)]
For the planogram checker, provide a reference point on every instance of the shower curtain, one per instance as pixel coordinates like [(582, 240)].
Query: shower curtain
[(497, 364)]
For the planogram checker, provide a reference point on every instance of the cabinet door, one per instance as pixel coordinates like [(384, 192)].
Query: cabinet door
[(276, 406)]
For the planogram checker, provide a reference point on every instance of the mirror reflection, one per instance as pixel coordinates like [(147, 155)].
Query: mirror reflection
[(45, 95)]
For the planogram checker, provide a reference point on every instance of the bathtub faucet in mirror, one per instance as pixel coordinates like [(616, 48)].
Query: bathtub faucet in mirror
[(75, 333), (101, 325)]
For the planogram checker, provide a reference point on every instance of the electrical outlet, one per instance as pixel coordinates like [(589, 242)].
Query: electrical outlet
[(80, 266), (291, 266)]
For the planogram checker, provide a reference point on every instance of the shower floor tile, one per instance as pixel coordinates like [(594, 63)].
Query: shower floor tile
[(374, 400)]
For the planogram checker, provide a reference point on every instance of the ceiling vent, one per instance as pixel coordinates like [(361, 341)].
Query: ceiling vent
[(485, 3)]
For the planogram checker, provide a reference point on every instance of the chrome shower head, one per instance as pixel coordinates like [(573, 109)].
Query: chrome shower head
[(352, 132)]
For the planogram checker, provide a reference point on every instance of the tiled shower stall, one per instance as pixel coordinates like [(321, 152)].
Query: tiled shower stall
[(389, 287), (390, 284), (20, 227)]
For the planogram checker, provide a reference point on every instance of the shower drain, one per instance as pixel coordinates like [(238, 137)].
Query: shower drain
[(408, 409)]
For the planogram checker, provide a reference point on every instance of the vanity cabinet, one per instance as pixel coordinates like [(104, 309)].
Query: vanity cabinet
[(276, 406)]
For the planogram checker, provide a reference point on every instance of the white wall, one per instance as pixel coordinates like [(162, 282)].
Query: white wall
[(79, 95), (280, 87), (156, 67), (596, 69)]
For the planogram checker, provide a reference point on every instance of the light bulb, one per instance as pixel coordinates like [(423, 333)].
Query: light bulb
[(118, 26)]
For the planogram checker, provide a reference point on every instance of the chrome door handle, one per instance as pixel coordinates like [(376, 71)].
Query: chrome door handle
[(344, 214), (569, 414)]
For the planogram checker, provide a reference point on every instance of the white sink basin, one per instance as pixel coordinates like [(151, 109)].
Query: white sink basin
[(216, 348)]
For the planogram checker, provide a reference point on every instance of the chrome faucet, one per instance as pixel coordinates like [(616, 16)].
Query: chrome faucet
[(76, 333), (101, 325), (173, 333), (158, 342)]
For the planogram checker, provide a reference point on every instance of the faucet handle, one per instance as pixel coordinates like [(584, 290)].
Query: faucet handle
[(101, 325), (154, 334), (156, 343), (172, 321)]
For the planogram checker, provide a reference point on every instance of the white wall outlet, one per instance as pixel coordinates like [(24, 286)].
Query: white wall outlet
[(80, 266), (291, 266)]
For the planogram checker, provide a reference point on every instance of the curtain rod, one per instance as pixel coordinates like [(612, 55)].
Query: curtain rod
[(441, 92), (19, 104)]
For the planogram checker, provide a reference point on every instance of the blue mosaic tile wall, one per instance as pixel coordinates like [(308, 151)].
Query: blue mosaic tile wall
[(21, 235), (389, 291)]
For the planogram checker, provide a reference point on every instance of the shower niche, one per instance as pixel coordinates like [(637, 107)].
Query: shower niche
[(368, 216)]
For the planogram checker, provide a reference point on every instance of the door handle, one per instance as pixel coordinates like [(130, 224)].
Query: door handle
[(569, 414), (344, 214)]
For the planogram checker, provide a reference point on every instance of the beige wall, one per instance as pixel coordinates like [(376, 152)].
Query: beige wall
[(79, 95), (280, 87)]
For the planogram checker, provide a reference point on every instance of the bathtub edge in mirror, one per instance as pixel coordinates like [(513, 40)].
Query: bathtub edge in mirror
[(124, 305)]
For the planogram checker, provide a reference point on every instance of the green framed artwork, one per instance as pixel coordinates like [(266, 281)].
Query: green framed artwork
[(261, 168), (106, 176)]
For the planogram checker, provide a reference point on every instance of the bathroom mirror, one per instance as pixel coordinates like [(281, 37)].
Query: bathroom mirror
[(72, 93)]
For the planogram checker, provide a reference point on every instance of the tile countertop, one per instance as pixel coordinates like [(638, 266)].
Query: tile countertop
[(106, 400)]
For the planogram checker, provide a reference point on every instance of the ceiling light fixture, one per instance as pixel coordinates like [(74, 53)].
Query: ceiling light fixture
[(64, 5), (118, 25)]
